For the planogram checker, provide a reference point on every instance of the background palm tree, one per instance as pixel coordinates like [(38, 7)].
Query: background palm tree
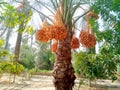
[(24, 12), (7, 39)]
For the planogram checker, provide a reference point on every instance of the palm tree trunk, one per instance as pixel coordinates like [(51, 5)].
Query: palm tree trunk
[(17, 47), (63, 71), (7, 39)]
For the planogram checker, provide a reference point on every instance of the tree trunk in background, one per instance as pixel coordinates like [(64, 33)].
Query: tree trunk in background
[(63, 71), (7, 39), (2, 33), (17, 47)]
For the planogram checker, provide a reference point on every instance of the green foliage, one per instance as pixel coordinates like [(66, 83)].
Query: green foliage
[(118, 68), (10, 67), (43, 72), (33, 71), (27, 56), (86, 65), (29, 29), (95, 66), (109, 13), (2, 5), (13, 17), (105, 7), (78, 60), (2, 51), (45, 61), (44, 58), (1, 42), (17, 68), (1, 70), (9, 14)]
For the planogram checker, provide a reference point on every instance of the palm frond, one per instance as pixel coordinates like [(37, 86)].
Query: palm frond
[(53, 4), (68, 13), (80, 17), (41, 13), (44, 5)]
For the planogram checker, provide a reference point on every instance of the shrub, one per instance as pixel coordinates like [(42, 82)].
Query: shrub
[(93, 66)]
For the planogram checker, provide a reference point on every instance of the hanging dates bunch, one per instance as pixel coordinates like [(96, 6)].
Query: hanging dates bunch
[(75, 42), (87, 37), (54, 31), (54, 46), (51, 32), (57, 32), (43, 34)]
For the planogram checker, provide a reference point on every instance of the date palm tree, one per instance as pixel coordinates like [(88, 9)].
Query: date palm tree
[(63, 71), (23, 13)]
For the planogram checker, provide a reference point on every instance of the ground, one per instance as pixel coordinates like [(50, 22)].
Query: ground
[(40, 82)]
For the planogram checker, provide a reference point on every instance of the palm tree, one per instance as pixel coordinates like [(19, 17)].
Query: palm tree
[(64, 12), (23, 18), (7, 39), (17, 46)]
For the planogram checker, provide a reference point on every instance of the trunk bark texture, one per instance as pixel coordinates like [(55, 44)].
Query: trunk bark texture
[(63, 71), (7, 39), (17, 47)]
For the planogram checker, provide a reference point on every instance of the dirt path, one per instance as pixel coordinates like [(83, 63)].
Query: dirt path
[(45, 83), (35, 83)]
